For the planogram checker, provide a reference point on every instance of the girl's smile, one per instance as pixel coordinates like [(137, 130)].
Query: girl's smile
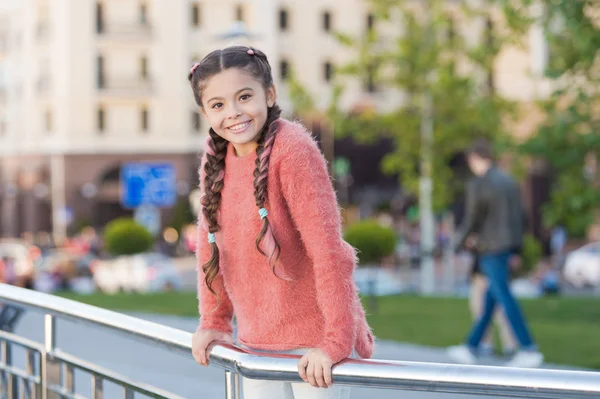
[(239, 128)]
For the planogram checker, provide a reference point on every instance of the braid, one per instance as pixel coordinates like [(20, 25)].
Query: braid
[(214, 168), (263, 152)]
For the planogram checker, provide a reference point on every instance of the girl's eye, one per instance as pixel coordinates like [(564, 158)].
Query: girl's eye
[(217, 105), (244, 97)]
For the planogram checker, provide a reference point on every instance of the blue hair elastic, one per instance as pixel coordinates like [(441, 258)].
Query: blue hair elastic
[(211, 238), (263, 213)]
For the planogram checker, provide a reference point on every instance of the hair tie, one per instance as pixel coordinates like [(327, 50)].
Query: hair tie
[(196, 65), (250, 51), (211, 238), (263, 213)]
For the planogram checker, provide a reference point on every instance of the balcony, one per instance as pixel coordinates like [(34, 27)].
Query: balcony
[(124, 31), (43, 85), (4, 45), (124, 86), (42, 31)]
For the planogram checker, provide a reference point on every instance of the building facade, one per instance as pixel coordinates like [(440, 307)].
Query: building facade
[(87, 85)]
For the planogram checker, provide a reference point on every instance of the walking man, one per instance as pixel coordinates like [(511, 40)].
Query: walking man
[(494, 213)]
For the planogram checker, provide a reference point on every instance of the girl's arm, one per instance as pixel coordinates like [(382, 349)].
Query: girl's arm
[(308, 192)]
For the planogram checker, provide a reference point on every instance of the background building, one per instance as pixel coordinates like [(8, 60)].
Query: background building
[(87, 85)]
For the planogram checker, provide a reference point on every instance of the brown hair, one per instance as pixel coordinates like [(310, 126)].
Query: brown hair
[(482, 148), (255, 62)]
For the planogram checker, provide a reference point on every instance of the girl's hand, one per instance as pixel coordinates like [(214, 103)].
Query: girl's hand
[(202, 339), (315, 368)]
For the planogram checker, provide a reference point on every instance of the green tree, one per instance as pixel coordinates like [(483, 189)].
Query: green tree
[(424, 60), (568, 140)]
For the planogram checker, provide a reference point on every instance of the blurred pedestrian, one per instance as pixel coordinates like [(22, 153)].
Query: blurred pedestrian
[(495, 214), (270, 248), (478, 289)]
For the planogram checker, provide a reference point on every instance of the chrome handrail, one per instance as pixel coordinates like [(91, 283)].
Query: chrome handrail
[(433, 377)]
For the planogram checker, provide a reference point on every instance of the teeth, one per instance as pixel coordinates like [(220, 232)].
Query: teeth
[(239, 126)]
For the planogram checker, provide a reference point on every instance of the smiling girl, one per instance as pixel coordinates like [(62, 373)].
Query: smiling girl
[(270, 250)]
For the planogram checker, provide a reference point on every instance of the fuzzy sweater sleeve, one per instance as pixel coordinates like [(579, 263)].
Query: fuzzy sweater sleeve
[(215, 314), (309, 194)]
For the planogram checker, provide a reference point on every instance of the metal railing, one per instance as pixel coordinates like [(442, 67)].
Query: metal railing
[(50, 371)]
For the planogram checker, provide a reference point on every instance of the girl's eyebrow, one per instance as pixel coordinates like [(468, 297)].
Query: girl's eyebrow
[(236, 93)]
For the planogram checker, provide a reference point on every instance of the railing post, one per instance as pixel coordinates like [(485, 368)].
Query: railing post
[(68, 378), (232, 385), (33, 390), (50, 374), (9, 381), (97, 390)]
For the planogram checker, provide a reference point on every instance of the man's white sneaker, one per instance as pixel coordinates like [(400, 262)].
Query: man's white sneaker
[(461, 354), (526, 359)]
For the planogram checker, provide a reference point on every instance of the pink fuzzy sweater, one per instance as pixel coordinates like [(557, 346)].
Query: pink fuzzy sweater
[(317, 305)]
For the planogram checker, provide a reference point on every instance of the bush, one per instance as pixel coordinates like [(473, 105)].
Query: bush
[(532, 253), (124, 236), (372, 240)]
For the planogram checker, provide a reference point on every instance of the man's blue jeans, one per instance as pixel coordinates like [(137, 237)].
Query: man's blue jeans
[(496, 269)]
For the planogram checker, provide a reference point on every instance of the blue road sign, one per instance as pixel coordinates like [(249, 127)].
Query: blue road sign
[(148, 184)]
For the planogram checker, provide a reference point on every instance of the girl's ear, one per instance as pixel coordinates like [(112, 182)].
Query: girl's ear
[(203, 112), (271, 96)]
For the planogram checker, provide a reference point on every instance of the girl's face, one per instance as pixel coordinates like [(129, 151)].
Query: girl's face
[(235, 105)]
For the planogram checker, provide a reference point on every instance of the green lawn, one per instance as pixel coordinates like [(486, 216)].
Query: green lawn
[(566, 329)]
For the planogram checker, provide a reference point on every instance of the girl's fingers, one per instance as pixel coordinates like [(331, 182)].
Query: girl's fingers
[(327, 375), (310, 374), (319, 376), (302, 368)]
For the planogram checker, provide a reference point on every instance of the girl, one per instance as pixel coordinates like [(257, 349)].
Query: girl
[(270, 249)]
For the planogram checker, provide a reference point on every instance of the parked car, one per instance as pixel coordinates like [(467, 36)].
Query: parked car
[(20, 260), (60, 269), (148, 272), (582, 266)]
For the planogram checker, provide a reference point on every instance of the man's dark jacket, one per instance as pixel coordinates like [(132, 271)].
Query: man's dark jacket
[(494, 212)]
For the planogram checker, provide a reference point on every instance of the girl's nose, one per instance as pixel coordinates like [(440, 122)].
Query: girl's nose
[(234, 113)]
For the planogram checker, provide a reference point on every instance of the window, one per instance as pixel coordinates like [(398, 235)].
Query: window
[(284, 70), (196, 122), (326, 21), (370, 79), (451, 33), (490, 81), (195, 15), (143, 14), (327, 71), (99, 18), (283, 20), (48, 120), (144, 116), (370, 22), (101, 116), (144, 67), (100, 71), (490, 43), (239, 13), (489, 32)]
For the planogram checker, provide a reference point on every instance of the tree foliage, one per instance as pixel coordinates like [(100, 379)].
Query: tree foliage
[(427, 56), (568, 140)]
